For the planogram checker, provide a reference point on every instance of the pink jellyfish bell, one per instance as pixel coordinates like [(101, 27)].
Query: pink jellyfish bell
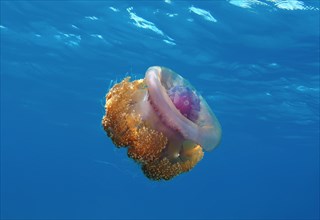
[(163, 121)]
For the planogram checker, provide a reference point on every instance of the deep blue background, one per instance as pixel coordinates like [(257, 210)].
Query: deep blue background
[(257, 66)]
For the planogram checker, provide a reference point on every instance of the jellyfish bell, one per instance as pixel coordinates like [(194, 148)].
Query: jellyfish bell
[(163, 121), (203, 127)]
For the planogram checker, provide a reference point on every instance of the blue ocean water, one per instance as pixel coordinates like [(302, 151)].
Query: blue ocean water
[(256, 62)]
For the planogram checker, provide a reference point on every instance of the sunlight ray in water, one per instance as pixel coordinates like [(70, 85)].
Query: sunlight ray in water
[(203, 13), (280, 4)]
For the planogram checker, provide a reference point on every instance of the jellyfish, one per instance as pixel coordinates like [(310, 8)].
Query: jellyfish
[(163, 121)]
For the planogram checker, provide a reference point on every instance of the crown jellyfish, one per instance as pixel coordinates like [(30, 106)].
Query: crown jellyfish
[(162, 120)]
